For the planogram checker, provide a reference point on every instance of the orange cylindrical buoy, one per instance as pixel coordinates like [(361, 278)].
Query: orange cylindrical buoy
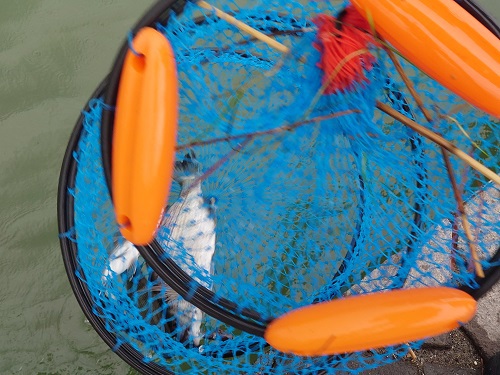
[(144, 138), (446, 42), (370, 321)]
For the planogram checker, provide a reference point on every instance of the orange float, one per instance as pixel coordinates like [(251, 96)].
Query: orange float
[(446, 42), (144, 138), (370, 321)]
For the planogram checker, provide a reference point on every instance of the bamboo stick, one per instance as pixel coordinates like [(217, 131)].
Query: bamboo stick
[(244, 27), (463, 217), (429, 134), (280, 129), (446, 158)]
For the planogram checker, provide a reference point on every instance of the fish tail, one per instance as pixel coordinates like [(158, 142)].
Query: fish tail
[(122, 259)]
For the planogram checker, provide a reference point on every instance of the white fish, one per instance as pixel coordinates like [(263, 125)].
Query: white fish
[(190, 224), (123, 258)]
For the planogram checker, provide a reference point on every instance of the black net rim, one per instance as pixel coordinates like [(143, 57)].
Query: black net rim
[(65, 212), (481, 15), (69, 248), (169, 271), (224, 310)]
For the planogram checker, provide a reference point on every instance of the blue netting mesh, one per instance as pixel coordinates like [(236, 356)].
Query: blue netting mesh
[(326, 208)]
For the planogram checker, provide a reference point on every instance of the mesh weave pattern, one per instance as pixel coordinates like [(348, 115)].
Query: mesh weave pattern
[(326, 208)]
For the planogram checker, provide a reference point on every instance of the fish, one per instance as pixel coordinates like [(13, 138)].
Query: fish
[(191, 222), (189, 225), (123, 258)]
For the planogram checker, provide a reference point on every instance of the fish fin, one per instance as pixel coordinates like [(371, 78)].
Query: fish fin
[(188, 167), (131, 271), (171, 296), (211, 202), (123, 258)]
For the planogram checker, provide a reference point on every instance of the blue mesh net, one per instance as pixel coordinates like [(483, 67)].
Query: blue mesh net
[(306, 200)]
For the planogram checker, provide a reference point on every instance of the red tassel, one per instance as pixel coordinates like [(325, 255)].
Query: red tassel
[(338, 38)]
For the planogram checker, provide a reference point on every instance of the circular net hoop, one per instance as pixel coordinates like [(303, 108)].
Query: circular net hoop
[(311, 199)]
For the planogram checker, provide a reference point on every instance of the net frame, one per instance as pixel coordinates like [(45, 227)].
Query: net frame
[(203, 298), (69, 250), (224, 310)]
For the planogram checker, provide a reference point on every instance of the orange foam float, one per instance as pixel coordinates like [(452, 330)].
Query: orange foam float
[(370, 321), (444, 41), (144, 138)]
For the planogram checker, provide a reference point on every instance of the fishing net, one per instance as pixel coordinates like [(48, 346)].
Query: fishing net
[(313, 197)]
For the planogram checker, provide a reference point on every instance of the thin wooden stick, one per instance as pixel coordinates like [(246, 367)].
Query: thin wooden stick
[(454, 243), (269, 131), (244, 27), (429, 134), (446, 158), (463, 216), (411, 352), (454, 120), (409, 85), (218, 164), (454, 227)]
